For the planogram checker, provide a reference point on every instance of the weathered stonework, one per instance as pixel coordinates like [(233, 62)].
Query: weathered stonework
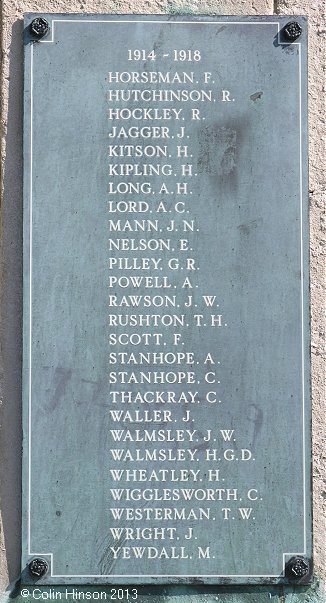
[(11, 268)]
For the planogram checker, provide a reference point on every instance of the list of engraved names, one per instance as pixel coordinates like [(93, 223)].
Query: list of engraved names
[(178, 465)]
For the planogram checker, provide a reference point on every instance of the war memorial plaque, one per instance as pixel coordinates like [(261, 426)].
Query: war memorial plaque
[(166, 333)]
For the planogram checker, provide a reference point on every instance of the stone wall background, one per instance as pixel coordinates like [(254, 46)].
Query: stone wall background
[(11, 264)]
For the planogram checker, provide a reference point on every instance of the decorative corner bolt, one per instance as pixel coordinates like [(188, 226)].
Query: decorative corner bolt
[(37, 568), (292, 31), (297, 568), (39, 27)]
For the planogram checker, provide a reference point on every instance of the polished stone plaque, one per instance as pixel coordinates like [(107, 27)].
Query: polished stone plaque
[(166, 334)]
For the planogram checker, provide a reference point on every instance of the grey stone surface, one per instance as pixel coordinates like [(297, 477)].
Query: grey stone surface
[(240, 251), (316, 56)]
